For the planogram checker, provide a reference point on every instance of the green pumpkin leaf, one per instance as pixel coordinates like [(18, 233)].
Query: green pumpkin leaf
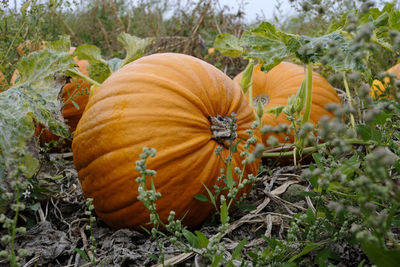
[(35, 98), (269, 45), (228, 45), (88, 52), (98, 69), (317, 48), (134, 46)]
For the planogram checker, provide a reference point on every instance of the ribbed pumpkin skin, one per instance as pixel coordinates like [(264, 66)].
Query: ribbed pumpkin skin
[(161, 101), (378, 87), (280, 83)]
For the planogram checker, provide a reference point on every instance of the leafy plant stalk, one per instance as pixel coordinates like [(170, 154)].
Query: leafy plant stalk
[(307, 109), (313, 149), (79, 74), (349, 99), (13, 257)]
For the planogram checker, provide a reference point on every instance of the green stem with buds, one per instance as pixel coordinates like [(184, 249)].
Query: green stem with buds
[(348, 95), (312, 149), (307, 109), (13, 259)]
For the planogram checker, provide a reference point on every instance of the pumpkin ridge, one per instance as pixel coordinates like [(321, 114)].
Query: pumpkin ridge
[(174, 89), (164, 211), (181, 120), (189, 123), (163, 188), (196, 66), (200, 141)]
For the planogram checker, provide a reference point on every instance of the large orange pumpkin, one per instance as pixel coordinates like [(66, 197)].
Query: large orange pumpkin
[(169, 102), (77, 90), (378, 87), (276, 86)]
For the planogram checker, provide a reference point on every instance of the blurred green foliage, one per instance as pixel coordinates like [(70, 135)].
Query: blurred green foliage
[(176, 26)]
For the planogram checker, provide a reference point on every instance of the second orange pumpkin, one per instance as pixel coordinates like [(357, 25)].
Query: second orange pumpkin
[(276, 86)]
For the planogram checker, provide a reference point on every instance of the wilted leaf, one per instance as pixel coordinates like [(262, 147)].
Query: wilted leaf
[(35, 98)]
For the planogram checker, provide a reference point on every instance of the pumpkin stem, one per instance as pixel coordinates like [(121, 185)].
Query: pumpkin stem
[(223, 130)]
